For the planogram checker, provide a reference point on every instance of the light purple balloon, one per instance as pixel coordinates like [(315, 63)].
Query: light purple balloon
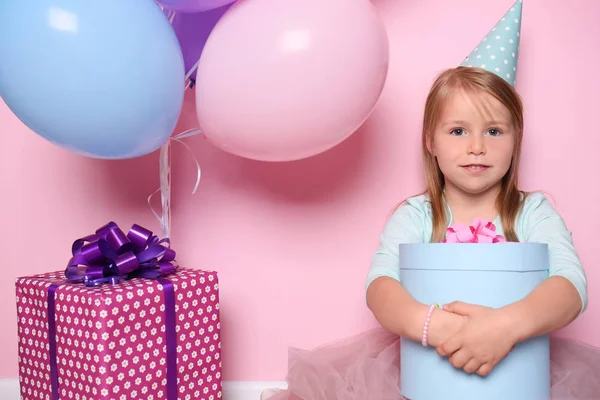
[(193, 6), (193, 31)]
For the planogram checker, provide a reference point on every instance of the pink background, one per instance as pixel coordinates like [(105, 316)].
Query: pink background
[(292, 241)]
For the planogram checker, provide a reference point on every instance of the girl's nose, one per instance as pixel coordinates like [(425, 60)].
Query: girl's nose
[(476, 145)]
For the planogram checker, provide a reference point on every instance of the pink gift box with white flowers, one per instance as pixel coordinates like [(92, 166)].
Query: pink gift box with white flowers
[(120, 341)]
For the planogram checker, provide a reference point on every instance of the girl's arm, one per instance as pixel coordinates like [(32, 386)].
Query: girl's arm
[(552, 305), (392, 305), (562, 297), (397, 311)]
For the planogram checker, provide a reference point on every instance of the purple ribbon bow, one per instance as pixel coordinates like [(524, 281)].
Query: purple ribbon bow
[(109, 256)]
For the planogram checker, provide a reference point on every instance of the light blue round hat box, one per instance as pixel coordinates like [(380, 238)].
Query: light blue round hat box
[(489, 274)]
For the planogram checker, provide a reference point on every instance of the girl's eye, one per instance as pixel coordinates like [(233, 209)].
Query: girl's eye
[(457, 131), (494, 132)]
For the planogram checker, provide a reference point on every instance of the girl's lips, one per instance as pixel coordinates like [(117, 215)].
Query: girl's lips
[(475, 168)]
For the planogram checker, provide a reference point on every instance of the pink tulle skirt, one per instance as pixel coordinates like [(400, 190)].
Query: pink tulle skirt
[(367, 367)]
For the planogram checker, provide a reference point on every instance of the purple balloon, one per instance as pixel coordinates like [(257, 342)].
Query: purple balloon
[(192, 6), (193, 31)]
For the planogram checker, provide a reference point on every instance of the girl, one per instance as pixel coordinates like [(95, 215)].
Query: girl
[(472, 134), (471, 145)]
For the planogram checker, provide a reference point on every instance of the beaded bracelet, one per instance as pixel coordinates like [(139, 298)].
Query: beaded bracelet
[(426, 326)]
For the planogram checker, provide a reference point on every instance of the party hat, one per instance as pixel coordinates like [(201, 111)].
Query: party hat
[(498, 52)]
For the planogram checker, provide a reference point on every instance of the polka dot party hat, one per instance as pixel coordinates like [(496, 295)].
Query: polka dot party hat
[(498, 52)]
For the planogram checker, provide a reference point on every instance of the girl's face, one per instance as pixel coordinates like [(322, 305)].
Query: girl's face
[(473, 142)]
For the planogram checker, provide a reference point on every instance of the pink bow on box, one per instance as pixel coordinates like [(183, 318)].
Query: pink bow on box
[(480, 231)]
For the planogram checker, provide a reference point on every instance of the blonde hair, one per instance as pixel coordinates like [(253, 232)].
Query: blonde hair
[(475, 81)]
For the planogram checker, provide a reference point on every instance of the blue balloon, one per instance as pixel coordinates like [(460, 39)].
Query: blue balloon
[(102, 78)]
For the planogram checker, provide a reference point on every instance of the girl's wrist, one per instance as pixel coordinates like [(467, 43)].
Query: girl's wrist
[(513, 318), (417, 321), (438, 324), (426, 325)]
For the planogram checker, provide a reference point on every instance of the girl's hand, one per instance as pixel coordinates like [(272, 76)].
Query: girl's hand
[(486, 339)]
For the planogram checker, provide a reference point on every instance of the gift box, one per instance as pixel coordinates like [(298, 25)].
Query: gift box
[(484, 271), (120, 332)]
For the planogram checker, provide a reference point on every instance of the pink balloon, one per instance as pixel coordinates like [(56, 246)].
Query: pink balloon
[(282, 80)]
